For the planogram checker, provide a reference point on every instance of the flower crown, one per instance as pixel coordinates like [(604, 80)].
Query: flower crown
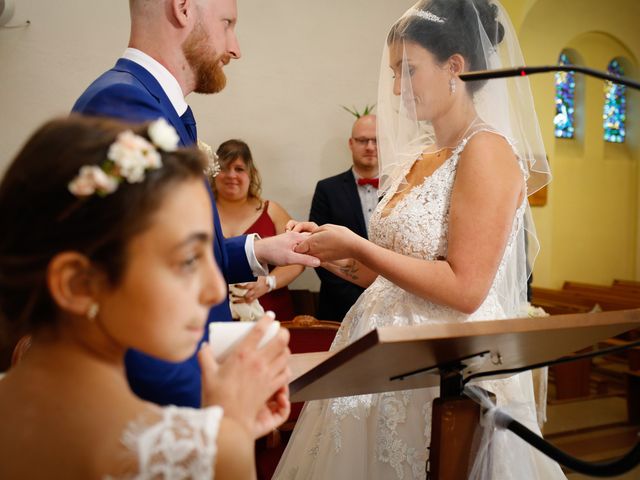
[(127, 160)]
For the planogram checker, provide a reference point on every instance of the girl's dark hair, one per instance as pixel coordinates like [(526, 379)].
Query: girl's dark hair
[(457, 34), (230, 151), (40, 218)]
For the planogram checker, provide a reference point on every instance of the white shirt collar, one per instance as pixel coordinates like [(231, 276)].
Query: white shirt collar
[(166, 80)]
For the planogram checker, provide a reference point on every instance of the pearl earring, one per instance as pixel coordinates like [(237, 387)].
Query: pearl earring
[(452, 86), (93, 310)]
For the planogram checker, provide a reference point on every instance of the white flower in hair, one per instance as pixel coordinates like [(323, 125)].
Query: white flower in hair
[(163, 135), (132, 155), (213, 165), (92, 179), (127, 159)]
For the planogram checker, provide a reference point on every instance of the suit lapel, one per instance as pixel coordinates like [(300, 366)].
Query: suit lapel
[(351, 193), (170, 114), (154, 88)]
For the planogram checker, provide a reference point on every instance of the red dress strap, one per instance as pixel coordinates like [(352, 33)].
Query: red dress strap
[(263, 225)]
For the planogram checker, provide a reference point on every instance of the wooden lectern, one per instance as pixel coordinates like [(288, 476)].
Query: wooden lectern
[(402, 358)]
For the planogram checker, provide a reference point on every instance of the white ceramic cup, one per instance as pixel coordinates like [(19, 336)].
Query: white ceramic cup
[(223, 336)]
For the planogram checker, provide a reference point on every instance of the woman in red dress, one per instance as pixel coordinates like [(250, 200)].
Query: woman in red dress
[(242, 211)]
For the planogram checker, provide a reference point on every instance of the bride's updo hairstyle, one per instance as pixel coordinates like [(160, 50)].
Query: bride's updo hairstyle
[(40, 217), (447, 27)]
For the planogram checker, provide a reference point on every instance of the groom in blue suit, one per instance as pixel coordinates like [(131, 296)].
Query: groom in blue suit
[(178, 47)]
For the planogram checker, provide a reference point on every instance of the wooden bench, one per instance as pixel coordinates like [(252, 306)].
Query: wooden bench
[(576, 379), (605, 294), (583, 298), (626, 283)]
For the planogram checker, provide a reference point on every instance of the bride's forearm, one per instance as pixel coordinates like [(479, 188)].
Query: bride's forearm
[(353, 271), (434, 280)]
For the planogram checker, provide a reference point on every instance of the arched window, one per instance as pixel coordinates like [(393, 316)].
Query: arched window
[(615, 106), (565, 93)]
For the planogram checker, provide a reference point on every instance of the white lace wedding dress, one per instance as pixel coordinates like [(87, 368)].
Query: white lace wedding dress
[(172, 443), (386, 436)]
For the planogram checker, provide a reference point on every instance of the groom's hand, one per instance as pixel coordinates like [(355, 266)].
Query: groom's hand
[(280, 250)]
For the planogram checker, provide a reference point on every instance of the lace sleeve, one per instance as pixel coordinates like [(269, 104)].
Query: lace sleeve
[(181, 443)]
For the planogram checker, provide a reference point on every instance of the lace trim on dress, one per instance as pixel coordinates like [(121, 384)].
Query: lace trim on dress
[(180, 444)]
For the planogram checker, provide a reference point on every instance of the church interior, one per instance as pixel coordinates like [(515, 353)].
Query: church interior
[(302, 61)]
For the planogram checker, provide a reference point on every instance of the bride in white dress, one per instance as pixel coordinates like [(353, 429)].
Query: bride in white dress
[(447, 239), (117, 254)]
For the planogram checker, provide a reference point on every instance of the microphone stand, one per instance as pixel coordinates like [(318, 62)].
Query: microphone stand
[(632, 458), (525, 71)]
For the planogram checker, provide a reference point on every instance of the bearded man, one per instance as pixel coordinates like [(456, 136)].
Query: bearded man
[(177, 47)]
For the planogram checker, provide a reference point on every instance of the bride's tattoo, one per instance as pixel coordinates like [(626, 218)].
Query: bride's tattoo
[(350, 270)]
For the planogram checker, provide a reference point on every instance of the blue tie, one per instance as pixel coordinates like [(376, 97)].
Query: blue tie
[(190, 124)]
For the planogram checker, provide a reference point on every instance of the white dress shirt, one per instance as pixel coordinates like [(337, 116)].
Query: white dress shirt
[(368, 199)]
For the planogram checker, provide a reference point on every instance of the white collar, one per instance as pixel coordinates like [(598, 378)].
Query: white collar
[(164, 77)]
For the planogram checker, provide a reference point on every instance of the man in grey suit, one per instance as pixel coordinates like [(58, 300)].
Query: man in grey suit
[(347, 199)]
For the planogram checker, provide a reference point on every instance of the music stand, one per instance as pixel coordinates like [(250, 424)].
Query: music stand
[(402, 358)]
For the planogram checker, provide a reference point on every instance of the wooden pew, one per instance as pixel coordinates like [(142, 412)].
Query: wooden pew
[(626, 283), (587, 295), (573, 380), (623, 294), (628, 286)]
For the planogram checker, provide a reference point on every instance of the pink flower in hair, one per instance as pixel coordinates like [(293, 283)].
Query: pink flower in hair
[(90, 180)]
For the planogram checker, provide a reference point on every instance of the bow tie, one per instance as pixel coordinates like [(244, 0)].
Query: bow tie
[(369, 181)]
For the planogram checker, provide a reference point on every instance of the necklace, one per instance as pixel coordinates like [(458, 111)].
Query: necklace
[(442, 150), (438, 154), (466, 130)]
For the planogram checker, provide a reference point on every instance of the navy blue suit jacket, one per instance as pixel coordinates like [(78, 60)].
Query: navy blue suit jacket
[(336, 201), (129, 92)]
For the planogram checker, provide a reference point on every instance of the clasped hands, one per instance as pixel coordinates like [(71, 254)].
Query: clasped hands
[(328, 243)]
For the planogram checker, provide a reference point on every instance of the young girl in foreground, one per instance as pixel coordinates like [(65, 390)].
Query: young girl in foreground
[(105, 246)]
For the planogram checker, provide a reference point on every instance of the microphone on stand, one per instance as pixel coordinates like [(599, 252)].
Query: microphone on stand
[(524, 71)]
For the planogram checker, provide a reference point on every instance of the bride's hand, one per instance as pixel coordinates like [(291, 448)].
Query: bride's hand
[(340, 263), (300, 227), (330, 243)]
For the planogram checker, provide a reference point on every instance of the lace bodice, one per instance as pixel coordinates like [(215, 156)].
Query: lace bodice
[(173, 443), (418, 226)]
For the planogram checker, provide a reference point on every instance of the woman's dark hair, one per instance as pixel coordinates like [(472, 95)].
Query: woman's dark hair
[(40, 218), (458, 33), (228, 152)]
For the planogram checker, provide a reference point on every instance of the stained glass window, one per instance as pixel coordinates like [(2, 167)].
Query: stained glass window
[(615, 107), (565, 93)]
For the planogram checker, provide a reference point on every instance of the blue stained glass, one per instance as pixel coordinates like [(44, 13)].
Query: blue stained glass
[(615, 107), (565, 93)]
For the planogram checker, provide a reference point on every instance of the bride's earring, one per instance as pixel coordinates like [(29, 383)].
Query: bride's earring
[(92, 311), (452, 86)]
